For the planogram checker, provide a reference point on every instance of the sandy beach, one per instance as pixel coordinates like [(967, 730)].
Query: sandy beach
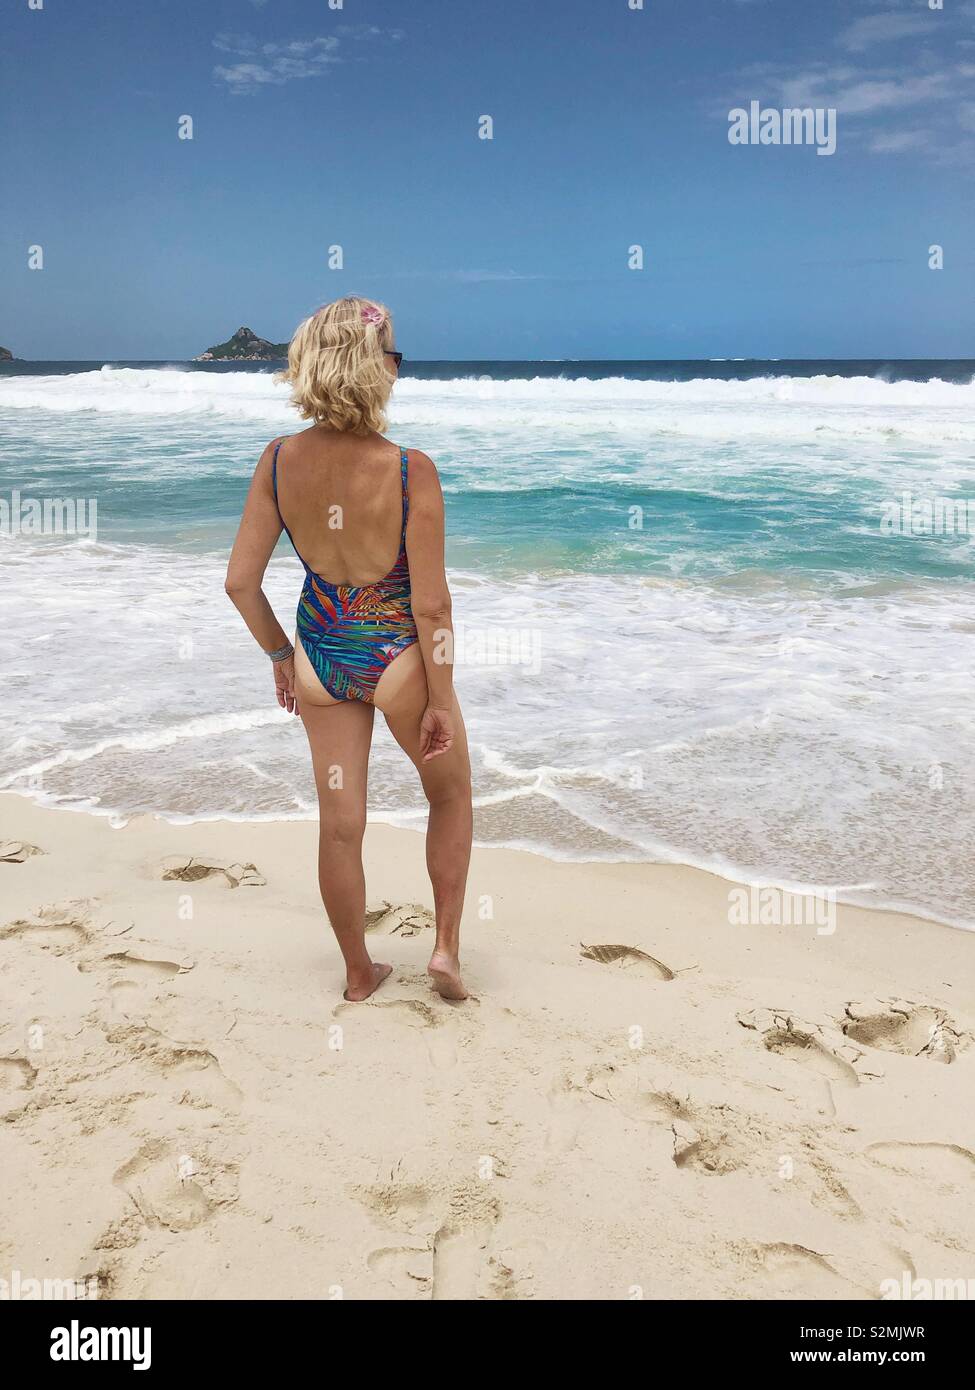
[(191, 1111)]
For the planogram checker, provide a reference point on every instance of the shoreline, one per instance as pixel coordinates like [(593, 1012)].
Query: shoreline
[(727, 874), (637, 1093)]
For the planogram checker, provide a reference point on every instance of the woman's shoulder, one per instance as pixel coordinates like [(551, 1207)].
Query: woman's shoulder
[(421, 464), (272, 448), (268, 454), (423, 481)]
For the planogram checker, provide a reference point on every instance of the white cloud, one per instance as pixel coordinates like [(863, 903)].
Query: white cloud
[(917, 100), (235, 43), (859, 91), (477, 277), (900, 141), (886, 28), (370, 31), (274, 64)]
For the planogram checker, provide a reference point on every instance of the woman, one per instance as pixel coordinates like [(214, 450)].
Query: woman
[(374, 628)]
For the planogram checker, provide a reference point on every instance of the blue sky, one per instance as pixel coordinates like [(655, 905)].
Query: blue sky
[(359, 127)]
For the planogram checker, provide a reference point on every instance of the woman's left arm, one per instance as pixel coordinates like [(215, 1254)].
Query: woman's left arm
[(257, 535)]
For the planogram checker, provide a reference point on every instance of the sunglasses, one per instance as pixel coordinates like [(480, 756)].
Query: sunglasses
[(397, 358)]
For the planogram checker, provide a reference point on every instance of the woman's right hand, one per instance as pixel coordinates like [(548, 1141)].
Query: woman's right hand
[(436, 732), (284, 683)]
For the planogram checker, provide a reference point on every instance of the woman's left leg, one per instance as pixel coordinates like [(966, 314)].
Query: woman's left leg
[(401, 695), (340, 733)]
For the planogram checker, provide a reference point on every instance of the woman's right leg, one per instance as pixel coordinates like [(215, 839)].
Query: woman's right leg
[(339, 734), (401, 695)]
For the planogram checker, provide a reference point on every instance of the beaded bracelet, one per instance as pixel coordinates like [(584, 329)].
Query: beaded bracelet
[(282, 653)]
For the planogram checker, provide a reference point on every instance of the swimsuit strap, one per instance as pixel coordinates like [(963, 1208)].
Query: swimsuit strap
[(404, 465), (274, 470), (274, 485)]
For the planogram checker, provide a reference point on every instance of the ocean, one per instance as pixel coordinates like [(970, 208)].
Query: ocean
[(695, 624)]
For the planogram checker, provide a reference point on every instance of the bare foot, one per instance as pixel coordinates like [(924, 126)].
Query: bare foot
[(444, 971), (362, 989)]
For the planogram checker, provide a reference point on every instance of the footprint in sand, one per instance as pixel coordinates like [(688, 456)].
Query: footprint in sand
[(454, 1263), (711, 1140), (17, 851), (136, 978), (16, 1074), (832, 1058), (403, 1269), (606, 1081), (182, 870), (508, 1275), (827, 1189), (897, 1025), (948, 1164), (197, 1076), (403, 919), (202, 1082), (54, 929), (149, 967), (460, 1254), (631, 959), (697, 1147), (440, 1032), (715, 1140), (567, 1114), (793, 1272), (570, 1097), (175, 1190), (402, 1205), (461, 1244)]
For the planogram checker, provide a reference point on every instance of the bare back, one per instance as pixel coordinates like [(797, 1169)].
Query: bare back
[(340, 496)]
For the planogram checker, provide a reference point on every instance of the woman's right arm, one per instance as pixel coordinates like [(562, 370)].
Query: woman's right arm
[(260, 527), (431, 602)]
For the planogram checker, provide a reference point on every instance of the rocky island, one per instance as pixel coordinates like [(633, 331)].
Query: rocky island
[(245, 346), (6, 355)]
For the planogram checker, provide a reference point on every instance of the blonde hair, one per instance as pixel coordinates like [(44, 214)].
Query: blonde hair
[(336, 368)]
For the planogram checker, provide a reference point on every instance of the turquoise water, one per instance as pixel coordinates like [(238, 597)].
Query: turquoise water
[(734, 664), (709, 510)]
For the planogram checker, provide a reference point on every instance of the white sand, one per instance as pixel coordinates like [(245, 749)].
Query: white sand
[(190, 1110)]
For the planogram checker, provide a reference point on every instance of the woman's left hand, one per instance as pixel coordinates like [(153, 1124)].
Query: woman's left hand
[(284, 684)]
